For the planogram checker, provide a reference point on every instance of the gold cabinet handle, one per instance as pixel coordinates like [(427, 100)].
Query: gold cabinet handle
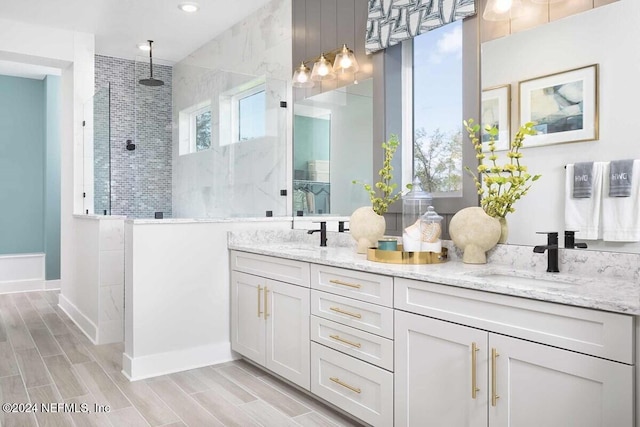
[(343, 384), (494, 382), (266, 304), (474, 373), (338, 338), (348, 313), (340, 282), (259, 290)]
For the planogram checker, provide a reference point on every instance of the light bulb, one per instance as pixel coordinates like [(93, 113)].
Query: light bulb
[(345, 62), (502, 6), (303, 77), (323, 70)]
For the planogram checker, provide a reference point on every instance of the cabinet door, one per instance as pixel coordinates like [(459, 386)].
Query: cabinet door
[(247, 312), (434, 373), (287, 313), (540, 385)]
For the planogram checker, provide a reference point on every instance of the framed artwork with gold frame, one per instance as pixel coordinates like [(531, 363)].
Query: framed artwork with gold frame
[(563, 106)]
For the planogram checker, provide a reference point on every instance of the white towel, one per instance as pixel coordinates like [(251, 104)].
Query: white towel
[(621, 215), (583, 215)]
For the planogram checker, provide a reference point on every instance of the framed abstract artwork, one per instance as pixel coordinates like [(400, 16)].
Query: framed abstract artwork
[(563, 106)]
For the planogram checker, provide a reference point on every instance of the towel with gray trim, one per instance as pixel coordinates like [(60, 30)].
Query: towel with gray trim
[(620, 173), (582, 180)]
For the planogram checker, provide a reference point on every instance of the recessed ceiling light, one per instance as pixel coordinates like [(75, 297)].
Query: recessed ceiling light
[(144, 46), (189, 7)]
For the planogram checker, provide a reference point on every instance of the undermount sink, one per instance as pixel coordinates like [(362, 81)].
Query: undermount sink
[(525, 278)]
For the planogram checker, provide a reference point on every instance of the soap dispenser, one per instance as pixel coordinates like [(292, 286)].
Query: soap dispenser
[(430, 231), (414, 205)]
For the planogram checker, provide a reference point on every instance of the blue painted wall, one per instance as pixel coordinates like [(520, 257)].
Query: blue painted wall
[(52, 177), (22, 165)]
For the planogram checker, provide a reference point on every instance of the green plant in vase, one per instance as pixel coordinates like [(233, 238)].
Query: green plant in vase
[(500, 185), (367, 224), (383, 193)]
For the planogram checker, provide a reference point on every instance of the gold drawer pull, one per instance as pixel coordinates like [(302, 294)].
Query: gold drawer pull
[(350, 387), (259, 290), (340, 282), (494, 382), (348, 313), (474, 375), (337, 338)]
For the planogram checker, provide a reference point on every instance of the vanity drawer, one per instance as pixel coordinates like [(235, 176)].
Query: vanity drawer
[(588, 331), (353, 284), (357, 314), (354, 342), (284, 270), (359, 388)]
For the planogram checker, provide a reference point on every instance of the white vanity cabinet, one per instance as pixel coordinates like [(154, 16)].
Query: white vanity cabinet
[(459, 367), (270, 318), (352, 348)]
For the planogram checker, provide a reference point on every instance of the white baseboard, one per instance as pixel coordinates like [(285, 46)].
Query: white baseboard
[(52, 284), (83, 322), (21, 286), (155, 365), (22, 272)]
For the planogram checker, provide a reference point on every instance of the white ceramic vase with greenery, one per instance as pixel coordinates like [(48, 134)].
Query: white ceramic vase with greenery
[(367, 224)]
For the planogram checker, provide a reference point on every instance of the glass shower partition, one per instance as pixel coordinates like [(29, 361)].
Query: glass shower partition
[(97, 167), (229, 144)]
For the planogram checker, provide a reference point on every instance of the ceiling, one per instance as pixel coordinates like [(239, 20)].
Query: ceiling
[(119, 25)]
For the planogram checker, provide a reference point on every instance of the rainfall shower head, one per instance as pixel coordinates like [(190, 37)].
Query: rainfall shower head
[(151, 81)]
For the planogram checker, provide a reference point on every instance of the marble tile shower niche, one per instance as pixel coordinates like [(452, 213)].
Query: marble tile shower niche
[(236, 167)]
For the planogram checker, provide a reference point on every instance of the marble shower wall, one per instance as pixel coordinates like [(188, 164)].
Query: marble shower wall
[(241, 179), (140, 179)]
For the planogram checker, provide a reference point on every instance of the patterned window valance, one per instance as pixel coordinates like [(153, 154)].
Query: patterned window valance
[(392, 21)]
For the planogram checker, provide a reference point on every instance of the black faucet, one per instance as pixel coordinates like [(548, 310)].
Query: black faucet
[(552, 247), (341, 228), (570, 242), (323, 233)]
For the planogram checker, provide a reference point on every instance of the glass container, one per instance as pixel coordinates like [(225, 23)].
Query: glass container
[(414, 205), (430, 231)]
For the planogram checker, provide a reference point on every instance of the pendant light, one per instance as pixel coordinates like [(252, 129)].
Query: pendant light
[(502, 10), (345, 61), (302, 77), (322, 70)]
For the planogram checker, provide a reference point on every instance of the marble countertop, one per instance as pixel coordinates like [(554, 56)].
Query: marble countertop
[(603, 291)]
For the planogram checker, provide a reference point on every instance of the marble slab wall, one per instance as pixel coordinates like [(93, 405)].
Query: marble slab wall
[(240, 179)]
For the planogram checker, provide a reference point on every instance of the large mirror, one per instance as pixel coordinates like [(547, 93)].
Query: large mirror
[(332, 134), (550, 39)]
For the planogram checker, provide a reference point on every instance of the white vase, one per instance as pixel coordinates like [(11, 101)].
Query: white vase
[(366, 227), (475, 232)]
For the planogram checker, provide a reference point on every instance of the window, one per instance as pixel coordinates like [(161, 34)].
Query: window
[(437, 94), (250, 116), (195, 128), (243, 112)]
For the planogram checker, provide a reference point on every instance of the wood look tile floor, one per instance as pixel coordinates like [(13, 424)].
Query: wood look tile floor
[(45, 358)]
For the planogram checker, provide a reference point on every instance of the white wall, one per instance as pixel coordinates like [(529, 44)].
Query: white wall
[(73, 53), (96, 304), (177, 293), (243, 179), (607, 36)]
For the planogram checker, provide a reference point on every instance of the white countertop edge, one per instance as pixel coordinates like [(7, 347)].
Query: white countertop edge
[(100, 217), (140, 221)]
